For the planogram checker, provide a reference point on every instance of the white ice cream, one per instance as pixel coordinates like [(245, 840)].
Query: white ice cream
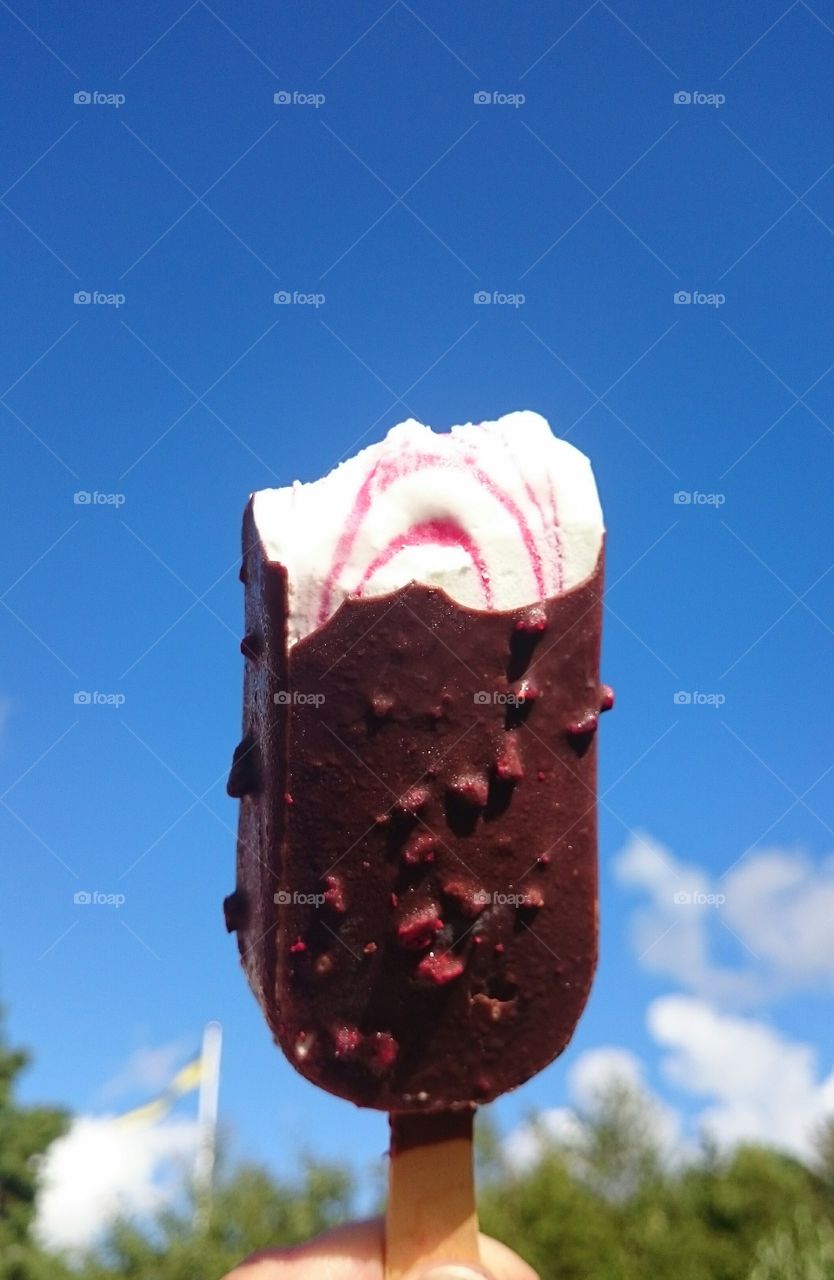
[(499, 514)]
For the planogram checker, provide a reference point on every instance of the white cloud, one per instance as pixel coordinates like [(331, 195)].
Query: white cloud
[(597, 1069), (589, 1079), (782, 904), (760, 1085), (751, 1083), (774, 907), (101, 1169), (747, 1081), (524, 1145)]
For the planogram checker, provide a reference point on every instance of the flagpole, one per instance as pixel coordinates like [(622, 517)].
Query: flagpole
[(207, 1110)]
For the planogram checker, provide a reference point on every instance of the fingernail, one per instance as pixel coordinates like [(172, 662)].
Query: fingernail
[(453, 1271)]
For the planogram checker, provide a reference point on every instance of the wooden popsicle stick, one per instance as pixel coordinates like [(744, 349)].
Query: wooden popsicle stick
[(431, 1215)]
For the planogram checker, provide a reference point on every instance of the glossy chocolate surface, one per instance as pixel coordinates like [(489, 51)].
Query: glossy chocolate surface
[(416, 901)]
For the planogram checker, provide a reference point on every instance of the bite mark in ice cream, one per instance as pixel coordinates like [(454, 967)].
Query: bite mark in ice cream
[(499, 515)]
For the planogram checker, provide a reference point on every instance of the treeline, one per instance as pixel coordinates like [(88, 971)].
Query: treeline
[(607, 1202)]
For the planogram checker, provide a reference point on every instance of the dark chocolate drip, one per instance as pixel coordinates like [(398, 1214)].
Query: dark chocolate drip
[(409, 1130), (234, 911), (244, 775), (251, 645)]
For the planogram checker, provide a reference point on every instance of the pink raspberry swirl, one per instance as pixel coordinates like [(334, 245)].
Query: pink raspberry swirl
[(498, 514)]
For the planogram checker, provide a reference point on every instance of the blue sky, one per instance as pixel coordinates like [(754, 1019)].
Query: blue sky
[(383, 191)]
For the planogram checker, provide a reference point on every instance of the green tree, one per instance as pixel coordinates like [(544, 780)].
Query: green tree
[(562, 1228), (804, 1250), (708, 1218), (570, 1213), (824, 1156), (615, 1149), (605, 1202), (25, 1133)]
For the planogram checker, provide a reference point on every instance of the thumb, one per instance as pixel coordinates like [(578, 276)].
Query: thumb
[(354, 1252), (498, 1263)]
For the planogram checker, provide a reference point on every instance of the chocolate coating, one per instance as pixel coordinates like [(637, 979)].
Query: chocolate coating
[(417, 839)]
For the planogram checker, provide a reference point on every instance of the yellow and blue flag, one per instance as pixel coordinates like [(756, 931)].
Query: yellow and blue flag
[(186, 1080)]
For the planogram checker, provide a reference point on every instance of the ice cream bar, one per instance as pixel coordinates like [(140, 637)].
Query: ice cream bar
[(416, 899)]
